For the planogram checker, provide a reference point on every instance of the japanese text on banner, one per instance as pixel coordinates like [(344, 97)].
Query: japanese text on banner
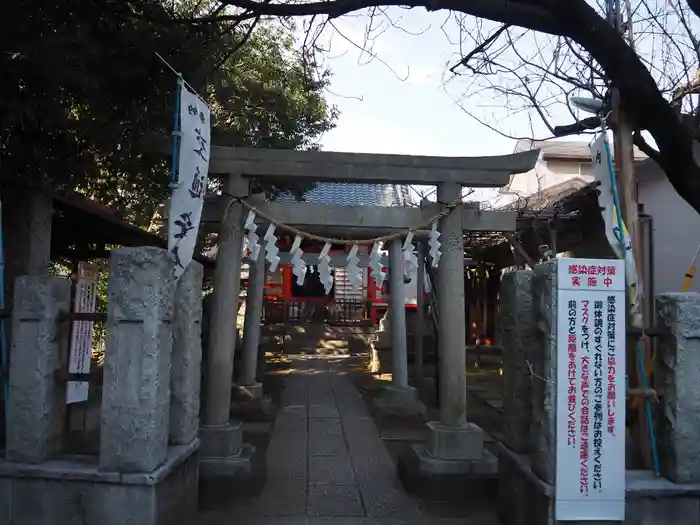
[(193, 168)]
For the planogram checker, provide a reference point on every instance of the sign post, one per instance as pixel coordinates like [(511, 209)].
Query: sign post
[(590, 386), (82, 332)]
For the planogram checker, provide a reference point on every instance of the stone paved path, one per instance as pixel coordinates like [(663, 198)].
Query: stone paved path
[(326, 462)]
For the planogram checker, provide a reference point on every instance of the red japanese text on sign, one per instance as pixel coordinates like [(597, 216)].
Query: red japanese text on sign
[(612, 364), (572, 374), (589, 276), (589, 335)]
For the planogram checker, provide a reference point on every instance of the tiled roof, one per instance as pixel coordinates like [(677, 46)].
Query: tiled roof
[(550, 196), (349, 194), (558, 149)]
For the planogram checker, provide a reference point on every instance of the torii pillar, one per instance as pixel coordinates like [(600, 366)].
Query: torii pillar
[(399, 398), (453, 446), (251, 328), (222, 451)]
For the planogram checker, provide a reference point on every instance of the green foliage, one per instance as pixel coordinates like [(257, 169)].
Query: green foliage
[(269, 96), (86, 105)]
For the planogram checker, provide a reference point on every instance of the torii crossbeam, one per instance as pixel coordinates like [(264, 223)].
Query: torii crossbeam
[(450, 174)]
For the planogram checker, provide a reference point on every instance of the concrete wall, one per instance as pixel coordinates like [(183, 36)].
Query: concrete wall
[(677, 377), (547, 173), (675, 230), (50, 493)]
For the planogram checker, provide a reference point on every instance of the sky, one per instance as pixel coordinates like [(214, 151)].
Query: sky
[(396, 103), (401, 100)]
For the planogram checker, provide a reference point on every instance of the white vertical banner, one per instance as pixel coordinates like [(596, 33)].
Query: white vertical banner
[(187, 199), (80, 354), (606, 201), (590, 387)]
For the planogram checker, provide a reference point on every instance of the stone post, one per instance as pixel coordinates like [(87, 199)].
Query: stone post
[(251, 327), (678, 372), (136, 391), (450, 297), (419, 328), (224, 310), (399, 398), (397, 313), (185, 373), (544, 366), (27, 220), (518, 337), (27, 217), (39, 234), (453, 446), (222, 439), (36, 404)]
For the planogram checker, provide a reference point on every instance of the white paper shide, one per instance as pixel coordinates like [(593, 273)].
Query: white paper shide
[(590, 388), (80, 353), (193, 169)]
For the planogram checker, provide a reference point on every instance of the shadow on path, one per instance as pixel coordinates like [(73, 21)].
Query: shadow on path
[(326, 462)]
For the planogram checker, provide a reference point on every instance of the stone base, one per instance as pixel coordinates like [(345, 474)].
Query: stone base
[(399, 402), (452, 481), (223, 453), (223, 481), (221, 441), (74, 490), (486, 465), (227, 466), (524, 499), (235, 466), (463, 443), (250, 404), (249, 392)]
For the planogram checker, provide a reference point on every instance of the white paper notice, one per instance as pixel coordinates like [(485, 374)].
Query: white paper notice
[(82, 333), (590, 385), (193, 169)]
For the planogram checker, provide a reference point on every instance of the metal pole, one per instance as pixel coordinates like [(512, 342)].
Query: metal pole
[(623, 143), (175, 166), (628, 205)]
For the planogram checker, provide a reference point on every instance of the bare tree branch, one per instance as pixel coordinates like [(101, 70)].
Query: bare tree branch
[(694, 6), (584, 54), (645, 148), (581, 126), (481, 48)]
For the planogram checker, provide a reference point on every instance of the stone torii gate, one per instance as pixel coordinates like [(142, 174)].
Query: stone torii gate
[(453, 444)]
